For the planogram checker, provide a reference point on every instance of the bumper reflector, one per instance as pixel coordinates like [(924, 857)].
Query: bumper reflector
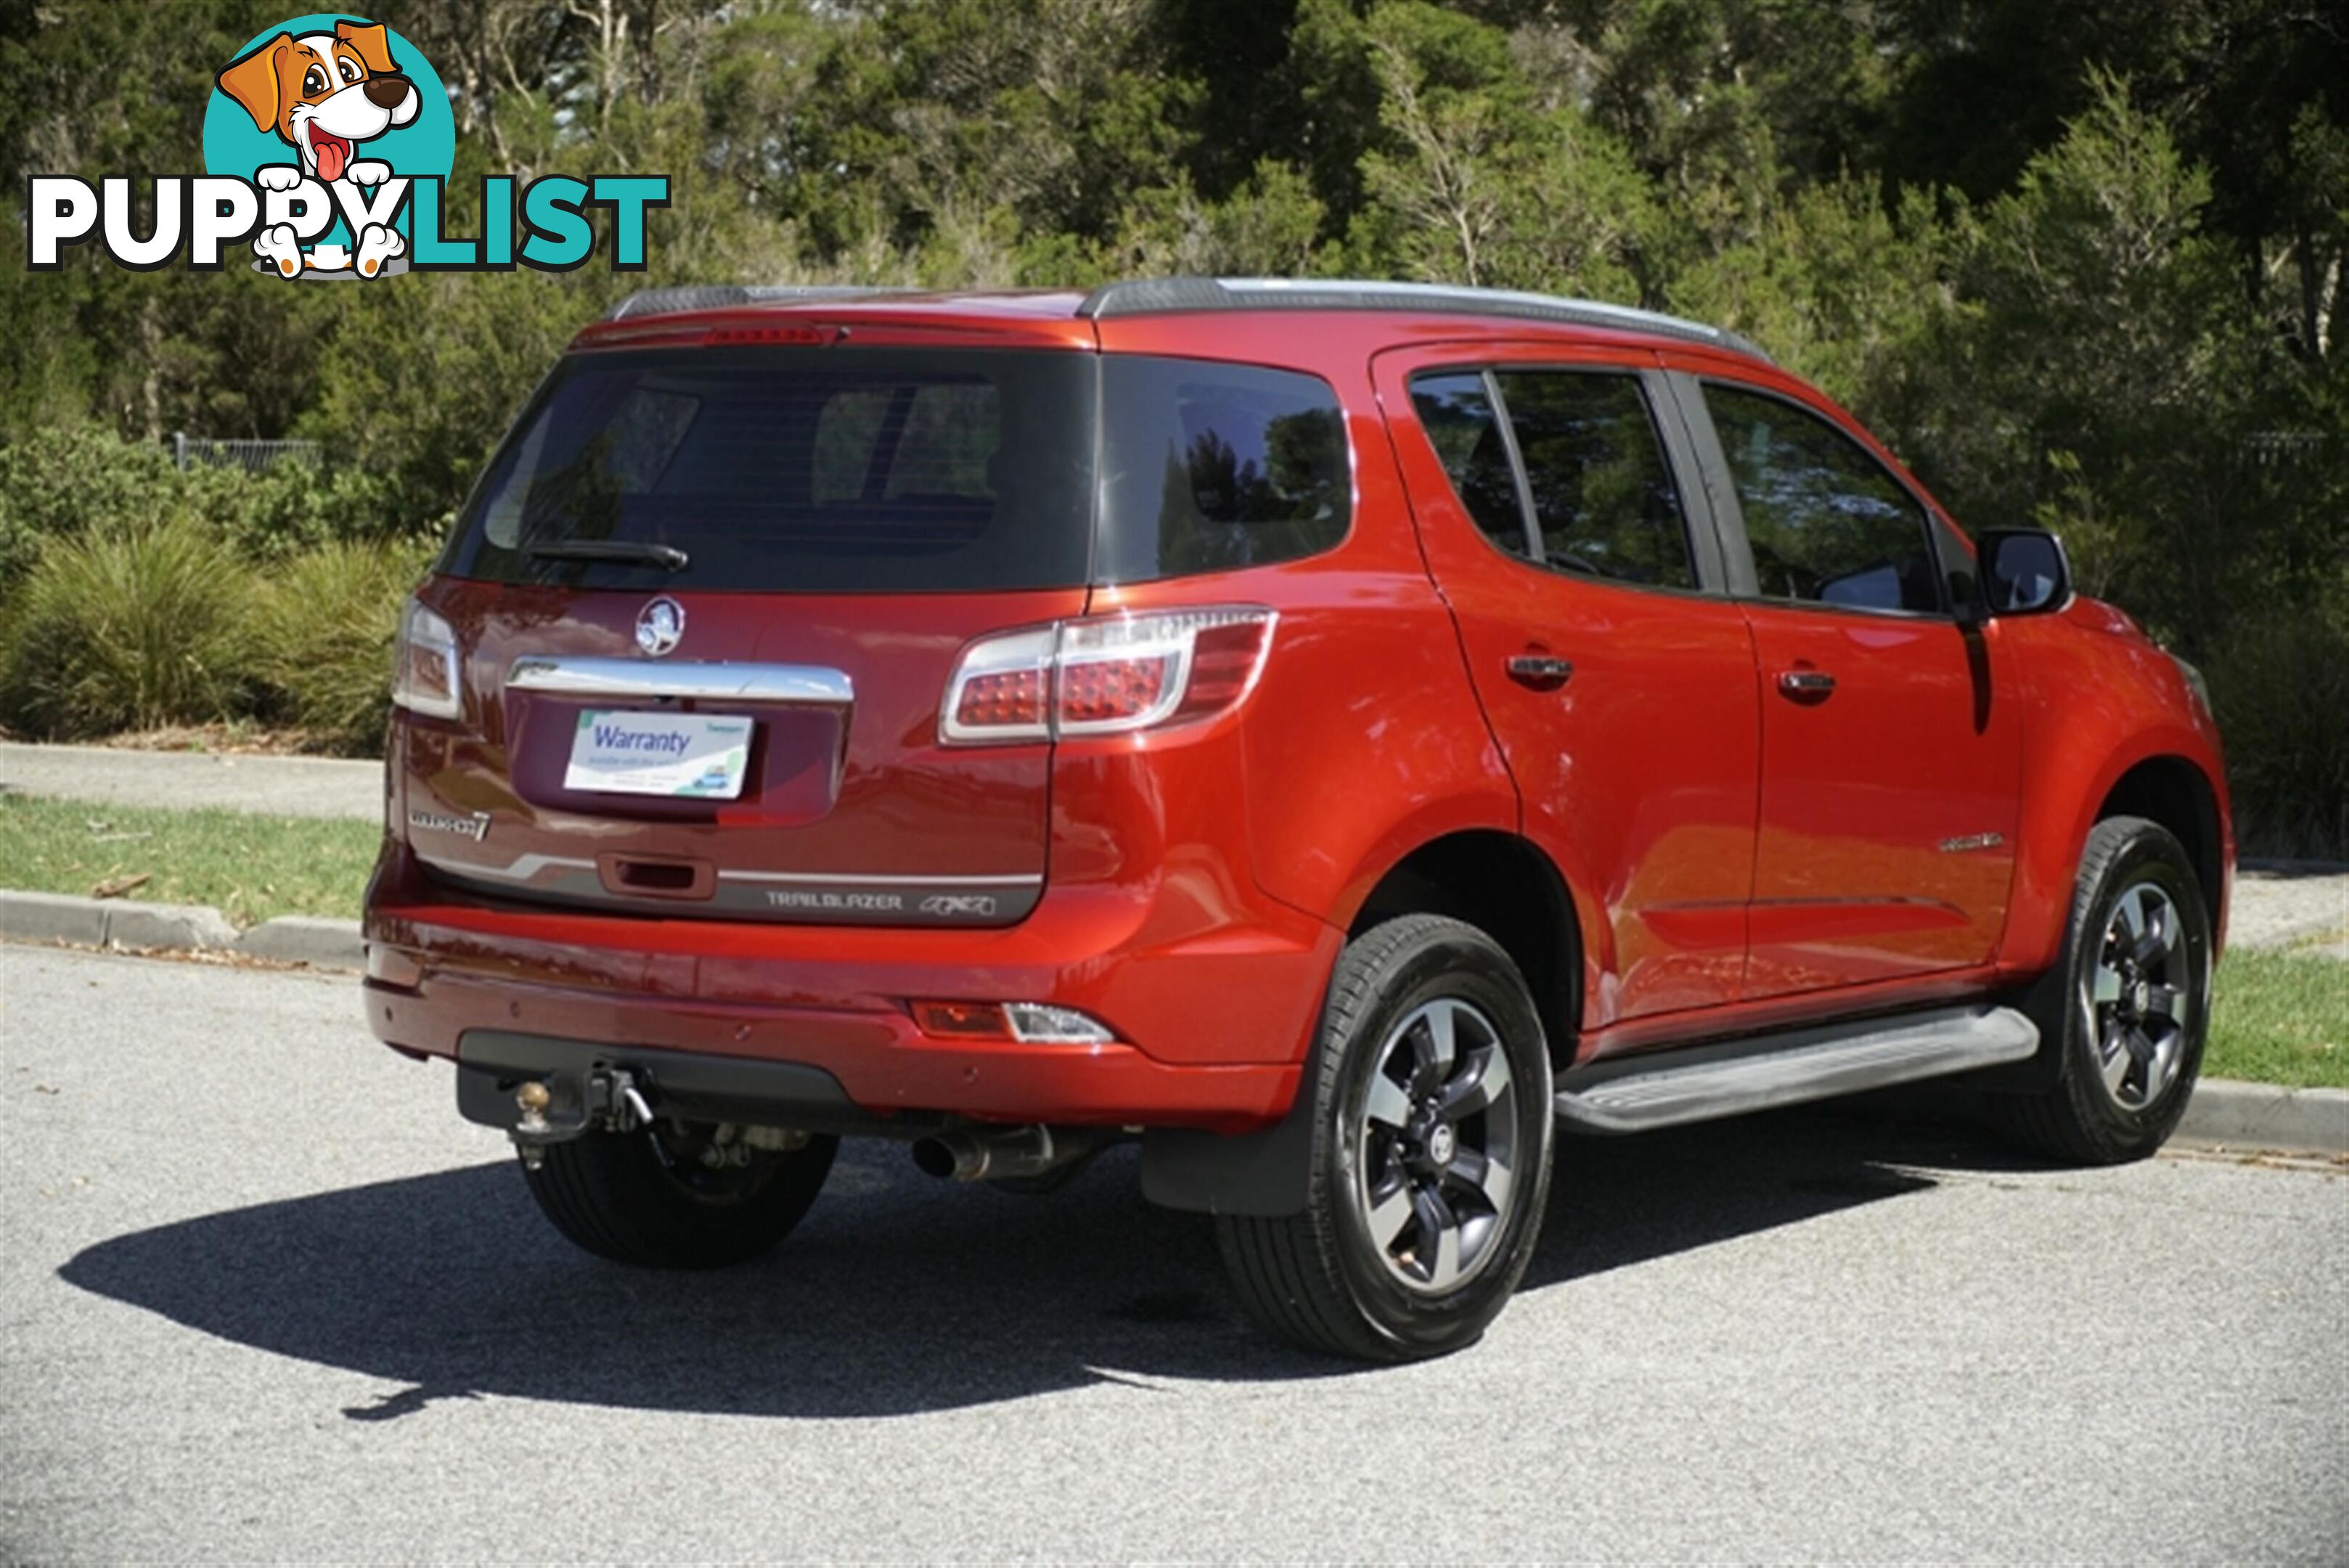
[(1034, 1022), (1042, 1020)]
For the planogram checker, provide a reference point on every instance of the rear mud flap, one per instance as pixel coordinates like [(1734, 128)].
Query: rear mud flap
[(1263, 1174)]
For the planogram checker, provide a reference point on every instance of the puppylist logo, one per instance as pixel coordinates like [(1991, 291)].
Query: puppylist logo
[(328, 141)]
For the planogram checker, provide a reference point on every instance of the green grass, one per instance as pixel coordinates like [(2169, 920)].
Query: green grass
[(2281, 1018), (250, 867)]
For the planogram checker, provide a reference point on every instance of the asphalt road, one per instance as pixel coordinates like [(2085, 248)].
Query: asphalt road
[(265, 1297)]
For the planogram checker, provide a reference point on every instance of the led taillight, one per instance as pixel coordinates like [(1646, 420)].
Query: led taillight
[(1007, 698), (1106, 675), (1099, 691), (425, 665), (1001, 688)]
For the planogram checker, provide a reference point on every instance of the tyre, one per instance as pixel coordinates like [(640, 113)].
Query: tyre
[(677, 1196), (1430, 1153), (2129, 1004)]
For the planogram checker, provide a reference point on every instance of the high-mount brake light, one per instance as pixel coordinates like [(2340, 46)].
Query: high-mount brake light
[(819, 336), (424, 676), (1106, 675)]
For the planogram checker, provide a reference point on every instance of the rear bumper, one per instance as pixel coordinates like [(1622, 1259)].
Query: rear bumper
[(1212, 995)]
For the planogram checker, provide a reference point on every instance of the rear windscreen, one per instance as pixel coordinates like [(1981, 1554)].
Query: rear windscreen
[(884, 469), (797, 469)]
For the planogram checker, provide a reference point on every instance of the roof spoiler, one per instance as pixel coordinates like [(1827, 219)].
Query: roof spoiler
[(728, 295), (1171, 296)]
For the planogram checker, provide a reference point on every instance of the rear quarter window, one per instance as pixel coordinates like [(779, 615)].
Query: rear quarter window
[(1210, 467)]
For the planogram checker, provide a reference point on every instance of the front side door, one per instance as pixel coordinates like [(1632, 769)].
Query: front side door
[(1890, 757), (1554, 507)]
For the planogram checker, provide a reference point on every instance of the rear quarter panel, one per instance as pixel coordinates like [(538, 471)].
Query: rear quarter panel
[(1363, 739)]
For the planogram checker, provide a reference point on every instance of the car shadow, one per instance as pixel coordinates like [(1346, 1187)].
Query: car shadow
[(898, 1294)]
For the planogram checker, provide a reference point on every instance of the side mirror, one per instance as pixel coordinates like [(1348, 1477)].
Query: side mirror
[(2023, 571)]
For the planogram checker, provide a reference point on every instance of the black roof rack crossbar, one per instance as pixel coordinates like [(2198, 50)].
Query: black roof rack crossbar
[(724, 296), (1170, 295)]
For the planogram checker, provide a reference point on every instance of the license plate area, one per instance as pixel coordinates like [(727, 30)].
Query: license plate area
[(796, 757), (668, 755)]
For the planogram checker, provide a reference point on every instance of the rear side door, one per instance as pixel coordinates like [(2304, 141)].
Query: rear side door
[(1556, 510), (1890, 755)]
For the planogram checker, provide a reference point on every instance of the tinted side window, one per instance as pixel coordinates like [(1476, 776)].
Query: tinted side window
[(1460, 422), (1210, 467), (1602, 496), (1827, 523)]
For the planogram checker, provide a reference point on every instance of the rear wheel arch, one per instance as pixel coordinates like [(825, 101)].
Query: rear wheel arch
[(1504, 886), (1493, 879)]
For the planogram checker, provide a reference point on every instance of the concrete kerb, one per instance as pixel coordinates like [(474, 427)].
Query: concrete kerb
[(177, 927), (307, 939), (166, 926), (54, 917), (2226, 1113)]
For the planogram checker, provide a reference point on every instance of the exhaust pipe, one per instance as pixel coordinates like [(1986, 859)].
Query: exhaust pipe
[(974, 1154)]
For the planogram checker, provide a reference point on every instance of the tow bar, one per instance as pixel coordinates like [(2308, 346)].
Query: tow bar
[(607, 1098)]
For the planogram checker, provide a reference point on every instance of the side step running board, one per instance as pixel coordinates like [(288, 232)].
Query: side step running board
[(1640, 1094)]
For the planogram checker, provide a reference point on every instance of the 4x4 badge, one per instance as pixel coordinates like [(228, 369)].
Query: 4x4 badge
[(660, 625)]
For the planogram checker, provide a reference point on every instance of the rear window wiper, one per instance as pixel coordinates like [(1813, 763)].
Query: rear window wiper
[(668, 558)]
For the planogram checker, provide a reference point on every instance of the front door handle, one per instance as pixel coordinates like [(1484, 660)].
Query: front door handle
[(1806, 683), (1540, 671)]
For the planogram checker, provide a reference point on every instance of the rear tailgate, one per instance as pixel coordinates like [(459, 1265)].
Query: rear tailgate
[(849, 809), (706, 605)]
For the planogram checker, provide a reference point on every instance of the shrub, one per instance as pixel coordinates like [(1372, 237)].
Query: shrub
[(57, 483), (128, 626), (292, 507), (2280, 685), (325, 646)]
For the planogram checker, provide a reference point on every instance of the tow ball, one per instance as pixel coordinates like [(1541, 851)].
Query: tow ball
[(556, 1111)]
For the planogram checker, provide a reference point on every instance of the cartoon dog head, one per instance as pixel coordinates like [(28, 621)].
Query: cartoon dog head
[(324, 92)]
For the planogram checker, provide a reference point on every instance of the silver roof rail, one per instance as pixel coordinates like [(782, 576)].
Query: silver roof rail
[(1166, 296), (725, 296)]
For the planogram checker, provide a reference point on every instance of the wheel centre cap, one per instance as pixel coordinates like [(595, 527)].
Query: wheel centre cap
[(1442, 1143)]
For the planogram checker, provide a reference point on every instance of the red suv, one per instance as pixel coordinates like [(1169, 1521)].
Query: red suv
[(1336, 734)]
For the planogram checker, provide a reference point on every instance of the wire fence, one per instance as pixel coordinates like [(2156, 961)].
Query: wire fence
[(2270, 448), (253, 456)]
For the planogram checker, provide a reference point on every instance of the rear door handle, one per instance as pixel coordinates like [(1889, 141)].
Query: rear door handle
[(1540, 672), (1806, 683)]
